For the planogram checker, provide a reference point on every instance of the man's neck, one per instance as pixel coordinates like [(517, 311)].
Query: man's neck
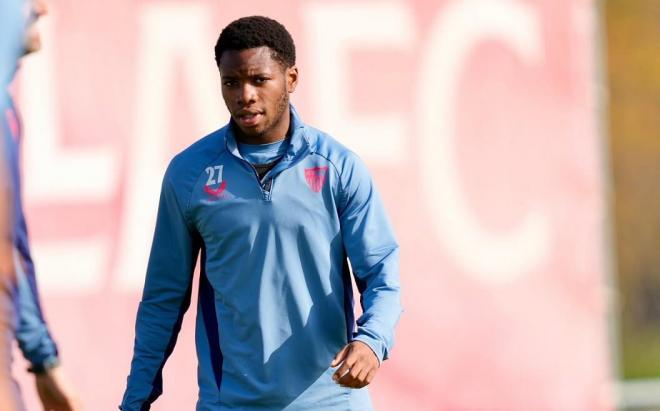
[(257, 140)]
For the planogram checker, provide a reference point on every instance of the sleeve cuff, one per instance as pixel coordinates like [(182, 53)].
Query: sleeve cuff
[(43, 366), (376, 346)]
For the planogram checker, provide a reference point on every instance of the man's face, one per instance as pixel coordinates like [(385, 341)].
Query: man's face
[(34, 9), (256, 90)]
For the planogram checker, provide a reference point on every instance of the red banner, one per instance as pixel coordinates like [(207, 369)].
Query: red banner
[(477, 119)]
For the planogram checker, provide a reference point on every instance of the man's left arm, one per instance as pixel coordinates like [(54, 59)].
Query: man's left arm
[(373, 252), (34, 339)]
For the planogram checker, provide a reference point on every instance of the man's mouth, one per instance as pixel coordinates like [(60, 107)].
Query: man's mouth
[(249, 119)]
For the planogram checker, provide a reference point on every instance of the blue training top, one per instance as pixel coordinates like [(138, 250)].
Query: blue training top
[(275, 297)]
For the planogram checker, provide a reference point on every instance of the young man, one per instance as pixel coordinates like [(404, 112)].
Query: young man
[(19, 300), (277, 209)]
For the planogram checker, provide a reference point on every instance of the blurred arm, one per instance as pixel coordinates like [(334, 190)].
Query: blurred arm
[(32, 333)]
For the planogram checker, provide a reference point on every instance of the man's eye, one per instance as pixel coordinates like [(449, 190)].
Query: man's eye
[(260, 80), (229, 83)]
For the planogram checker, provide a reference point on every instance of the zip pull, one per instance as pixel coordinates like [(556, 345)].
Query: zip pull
[(267, 184)]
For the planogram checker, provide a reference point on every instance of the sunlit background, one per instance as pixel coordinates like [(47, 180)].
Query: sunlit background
[(633, 66), (514, 142)]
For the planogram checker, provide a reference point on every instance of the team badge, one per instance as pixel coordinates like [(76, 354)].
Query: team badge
[(315, 177), (214, 186)]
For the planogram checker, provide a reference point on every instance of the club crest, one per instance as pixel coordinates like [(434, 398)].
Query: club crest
[(315, 177)]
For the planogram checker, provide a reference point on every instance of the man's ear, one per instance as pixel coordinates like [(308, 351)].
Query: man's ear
[(291, 78)]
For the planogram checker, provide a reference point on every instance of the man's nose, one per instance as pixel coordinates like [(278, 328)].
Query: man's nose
[(247, 95)]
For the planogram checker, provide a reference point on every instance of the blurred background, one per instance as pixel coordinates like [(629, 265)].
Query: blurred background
[(513, 141), (632, 33)]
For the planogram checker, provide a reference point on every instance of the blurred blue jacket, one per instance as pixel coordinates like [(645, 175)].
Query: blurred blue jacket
[(12, 28), (31, 329)]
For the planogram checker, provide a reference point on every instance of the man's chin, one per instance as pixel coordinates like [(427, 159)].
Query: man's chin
[(254, 131)]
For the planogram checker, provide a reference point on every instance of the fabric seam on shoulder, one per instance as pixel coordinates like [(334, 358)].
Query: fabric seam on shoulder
[(341, 183)]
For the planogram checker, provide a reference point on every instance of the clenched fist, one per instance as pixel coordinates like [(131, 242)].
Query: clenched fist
[(357, 363)]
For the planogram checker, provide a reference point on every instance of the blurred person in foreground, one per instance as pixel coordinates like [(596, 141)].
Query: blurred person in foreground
[(28, 325), (277, 209), (12, 31)]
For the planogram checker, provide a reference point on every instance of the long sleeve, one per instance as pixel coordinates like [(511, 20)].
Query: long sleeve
[(165, 299), (31, 330), (32, 333), (374, 256)]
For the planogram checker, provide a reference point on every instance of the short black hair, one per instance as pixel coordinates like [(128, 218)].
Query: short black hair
[(257, 31)]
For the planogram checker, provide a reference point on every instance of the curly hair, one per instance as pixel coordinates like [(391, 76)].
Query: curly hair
[(257, 31)]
